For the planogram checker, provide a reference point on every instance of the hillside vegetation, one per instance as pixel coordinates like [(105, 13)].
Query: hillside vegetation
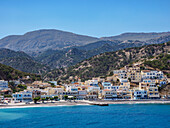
[(161, 62), (9, 73), (71, 56), (50, 49), (21, 61), (103, 64)]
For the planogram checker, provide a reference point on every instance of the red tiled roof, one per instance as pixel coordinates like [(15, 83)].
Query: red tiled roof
[(106, 90)]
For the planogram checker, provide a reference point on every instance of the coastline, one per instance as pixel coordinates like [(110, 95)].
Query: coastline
[(83, 102), (137, 102), (49, 104)]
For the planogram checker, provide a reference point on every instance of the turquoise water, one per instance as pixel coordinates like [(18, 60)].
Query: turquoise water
[(113, 116)]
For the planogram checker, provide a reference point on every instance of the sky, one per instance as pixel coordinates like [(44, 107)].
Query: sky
[(97, 18)]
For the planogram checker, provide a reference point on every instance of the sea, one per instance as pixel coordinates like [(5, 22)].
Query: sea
[(112, 116)]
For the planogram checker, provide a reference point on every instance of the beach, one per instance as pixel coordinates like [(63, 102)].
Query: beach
[(82, 102)]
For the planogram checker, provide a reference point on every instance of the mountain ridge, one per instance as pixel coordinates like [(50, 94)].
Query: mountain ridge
[(50, 57), (41, 40), (44, 39), (141, 36)]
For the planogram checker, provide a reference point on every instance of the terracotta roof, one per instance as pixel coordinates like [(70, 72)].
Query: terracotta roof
[(4, 91), (76, 83), (106, 90), (145, 70)]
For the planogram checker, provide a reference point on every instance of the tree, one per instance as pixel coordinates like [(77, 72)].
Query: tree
[(52, 84), (11, 83), (56, 98), (36, 99), (8, 96), (111, 73), (65, 97), (117, 81), (74, 98), (47, 98), (51, 99), (129, 79), (43, 99)]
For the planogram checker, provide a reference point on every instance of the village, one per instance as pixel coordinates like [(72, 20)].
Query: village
[(128, 83)]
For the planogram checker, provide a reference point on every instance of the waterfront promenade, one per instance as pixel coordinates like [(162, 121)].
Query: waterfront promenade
[(82, 102)]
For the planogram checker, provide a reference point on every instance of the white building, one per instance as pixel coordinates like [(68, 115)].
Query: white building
[(152, 91), (147, 74), (82, 94), (3, 84), (115, 88), (109, 94), (140, 94), (70, 88), (122, 74), (106, 84)]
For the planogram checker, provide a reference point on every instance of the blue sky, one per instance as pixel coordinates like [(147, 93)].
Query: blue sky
[(88, 17)]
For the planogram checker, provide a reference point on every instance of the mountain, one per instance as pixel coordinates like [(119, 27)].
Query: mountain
[(73, 55), (136, 36), (38, 41), (9, 73), (41, 40), (7, 53), (50, 49), (58, 59), (21, 61), (159, 40), (103, 64)]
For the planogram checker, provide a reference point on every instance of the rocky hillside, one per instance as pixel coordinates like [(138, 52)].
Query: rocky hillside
[(21, 61), (161, 62), (59, 49), (41, 40), (103, 64), (137, 36), (9, 73), (73, 55)]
